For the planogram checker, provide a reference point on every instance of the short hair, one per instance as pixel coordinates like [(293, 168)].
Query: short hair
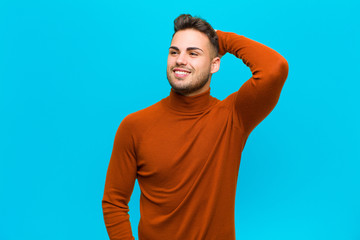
[(186, 21)]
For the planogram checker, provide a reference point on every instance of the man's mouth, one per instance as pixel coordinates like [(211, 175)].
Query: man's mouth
[(181, 73)]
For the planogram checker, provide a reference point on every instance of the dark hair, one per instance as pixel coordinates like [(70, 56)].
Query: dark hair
[(186, 21)]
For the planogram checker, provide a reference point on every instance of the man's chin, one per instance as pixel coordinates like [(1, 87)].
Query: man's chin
[(178, 83), (180, 88)]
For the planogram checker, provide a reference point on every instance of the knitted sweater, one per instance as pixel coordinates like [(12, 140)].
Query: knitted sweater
[(185, 153)]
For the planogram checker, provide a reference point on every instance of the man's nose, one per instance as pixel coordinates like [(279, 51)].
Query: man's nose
[(181, 59)]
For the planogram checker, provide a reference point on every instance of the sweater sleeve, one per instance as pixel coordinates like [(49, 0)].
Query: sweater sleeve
[(258, 96), (119, 184)]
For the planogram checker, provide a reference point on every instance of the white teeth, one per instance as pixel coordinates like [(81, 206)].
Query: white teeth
[(181, 72)]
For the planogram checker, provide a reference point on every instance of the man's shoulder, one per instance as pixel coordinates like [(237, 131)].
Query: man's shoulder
[(144, 116), (227, 101)]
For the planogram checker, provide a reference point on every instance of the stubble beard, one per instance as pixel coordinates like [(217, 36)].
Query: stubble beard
[(191, 87)]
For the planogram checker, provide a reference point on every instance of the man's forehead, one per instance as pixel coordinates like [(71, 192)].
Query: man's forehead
[(190, 38)]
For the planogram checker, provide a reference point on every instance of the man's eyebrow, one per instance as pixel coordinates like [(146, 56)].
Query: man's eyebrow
[(188, 49), (194, 48)]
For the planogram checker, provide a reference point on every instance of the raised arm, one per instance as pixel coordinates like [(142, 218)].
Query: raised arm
[(258, 96), (119, 185)]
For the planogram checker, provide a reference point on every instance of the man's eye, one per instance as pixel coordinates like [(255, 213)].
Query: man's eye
[(193, 54), (173, 52)]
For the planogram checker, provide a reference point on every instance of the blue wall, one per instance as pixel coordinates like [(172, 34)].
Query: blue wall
[(70, 71)]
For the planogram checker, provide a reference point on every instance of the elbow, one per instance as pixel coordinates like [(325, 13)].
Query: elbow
[(284, 69), (280, 70), (285, 64)]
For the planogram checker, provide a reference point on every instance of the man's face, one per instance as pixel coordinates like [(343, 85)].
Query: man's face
[(190, 63)]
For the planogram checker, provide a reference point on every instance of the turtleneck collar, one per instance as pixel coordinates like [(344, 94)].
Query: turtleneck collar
[(189, 104)]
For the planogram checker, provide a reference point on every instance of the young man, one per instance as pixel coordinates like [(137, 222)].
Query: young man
[(185, 150)]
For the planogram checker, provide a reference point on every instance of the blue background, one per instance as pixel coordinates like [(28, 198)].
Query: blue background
[(70, 71)]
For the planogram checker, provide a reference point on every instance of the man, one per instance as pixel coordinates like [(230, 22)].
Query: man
[(185, 150)]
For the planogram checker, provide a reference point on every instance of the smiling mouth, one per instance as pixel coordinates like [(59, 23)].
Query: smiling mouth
[(180, 73)]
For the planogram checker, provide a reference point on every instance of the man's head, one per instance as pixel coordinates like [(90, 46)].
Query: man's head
[(193, 55)]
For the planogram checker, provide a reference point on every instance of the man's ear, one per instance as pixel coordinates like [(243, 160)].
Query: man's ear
[(215, 65)]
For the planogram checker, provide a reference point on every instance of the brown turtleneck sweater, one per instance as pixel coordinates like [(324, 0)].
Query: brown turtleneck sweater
[(185, 153)]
